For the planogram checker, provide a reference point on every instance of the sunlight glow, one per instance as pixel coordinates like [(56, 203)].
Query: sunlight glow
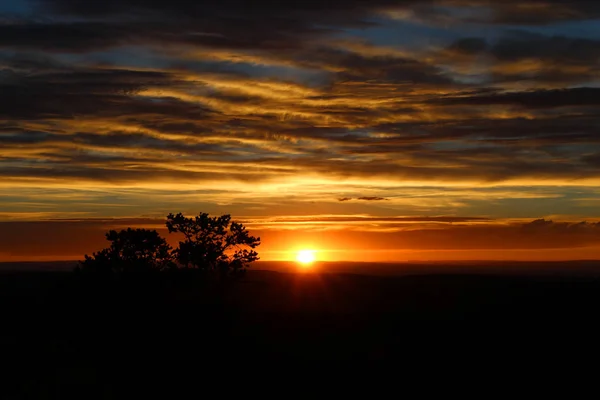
[(305, 256)]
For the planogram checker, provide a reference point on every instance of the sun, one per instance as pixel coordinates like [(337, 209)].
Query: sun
[(305, 256)]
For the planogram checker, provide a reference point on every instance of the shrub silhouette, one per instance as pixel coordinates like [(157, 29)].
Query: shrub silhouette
[(213, 243), (131, 250)]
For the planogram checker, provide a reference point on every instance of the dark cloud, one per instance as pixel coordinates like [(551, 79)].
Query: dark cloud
[(543, 226), (137, 140), (372, 198), (117, 175), (63, 37), (357, 67), (585, 96), (592, 159), (522, 45), (525, 56), (541, 12), (469, 46), (448, 166), (92, 93), (365, 198), (513, 132), (509, 12)]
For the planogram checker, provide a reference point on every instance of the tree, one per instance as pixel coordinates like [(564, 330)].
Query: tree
[(131, 250), (213, 243)]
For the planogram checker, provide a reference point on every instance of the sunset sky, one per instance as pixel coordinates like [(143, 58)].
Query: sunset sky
[(365, 130)]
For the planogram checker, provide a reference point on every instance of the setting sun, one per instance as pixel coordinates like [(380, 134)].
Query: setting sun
[(305, 256)]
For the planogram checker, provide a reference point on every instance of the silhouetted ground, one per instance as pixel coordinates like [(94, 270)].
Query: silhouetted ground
[(60, 334)]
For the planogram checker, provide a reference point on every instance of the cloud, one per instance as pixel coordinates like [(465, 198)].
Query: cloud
[(539, 12), (468, 46), (100, 93), (522, 44), (540, 226), (300, 99), (365, 198), (536, 12), (592, 159), (585, 96), (520, 55), (61, 37), (372, 198)]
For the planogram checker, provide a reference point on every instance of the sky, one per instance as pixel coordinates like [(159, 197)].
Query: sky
[(365, 130)]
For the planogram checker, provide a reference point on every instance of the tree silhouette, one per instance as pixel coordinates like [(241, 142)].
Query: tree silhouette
[(213, 243), (131, 250)]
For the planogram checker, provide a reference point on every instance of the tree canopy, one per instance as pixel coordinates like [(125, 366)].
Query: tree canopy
[(209, 244), (213, 243), (131, 250)]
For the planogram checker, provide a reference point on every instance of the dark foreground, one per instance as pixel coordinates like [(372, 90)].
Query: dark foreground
[(59, 332)]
